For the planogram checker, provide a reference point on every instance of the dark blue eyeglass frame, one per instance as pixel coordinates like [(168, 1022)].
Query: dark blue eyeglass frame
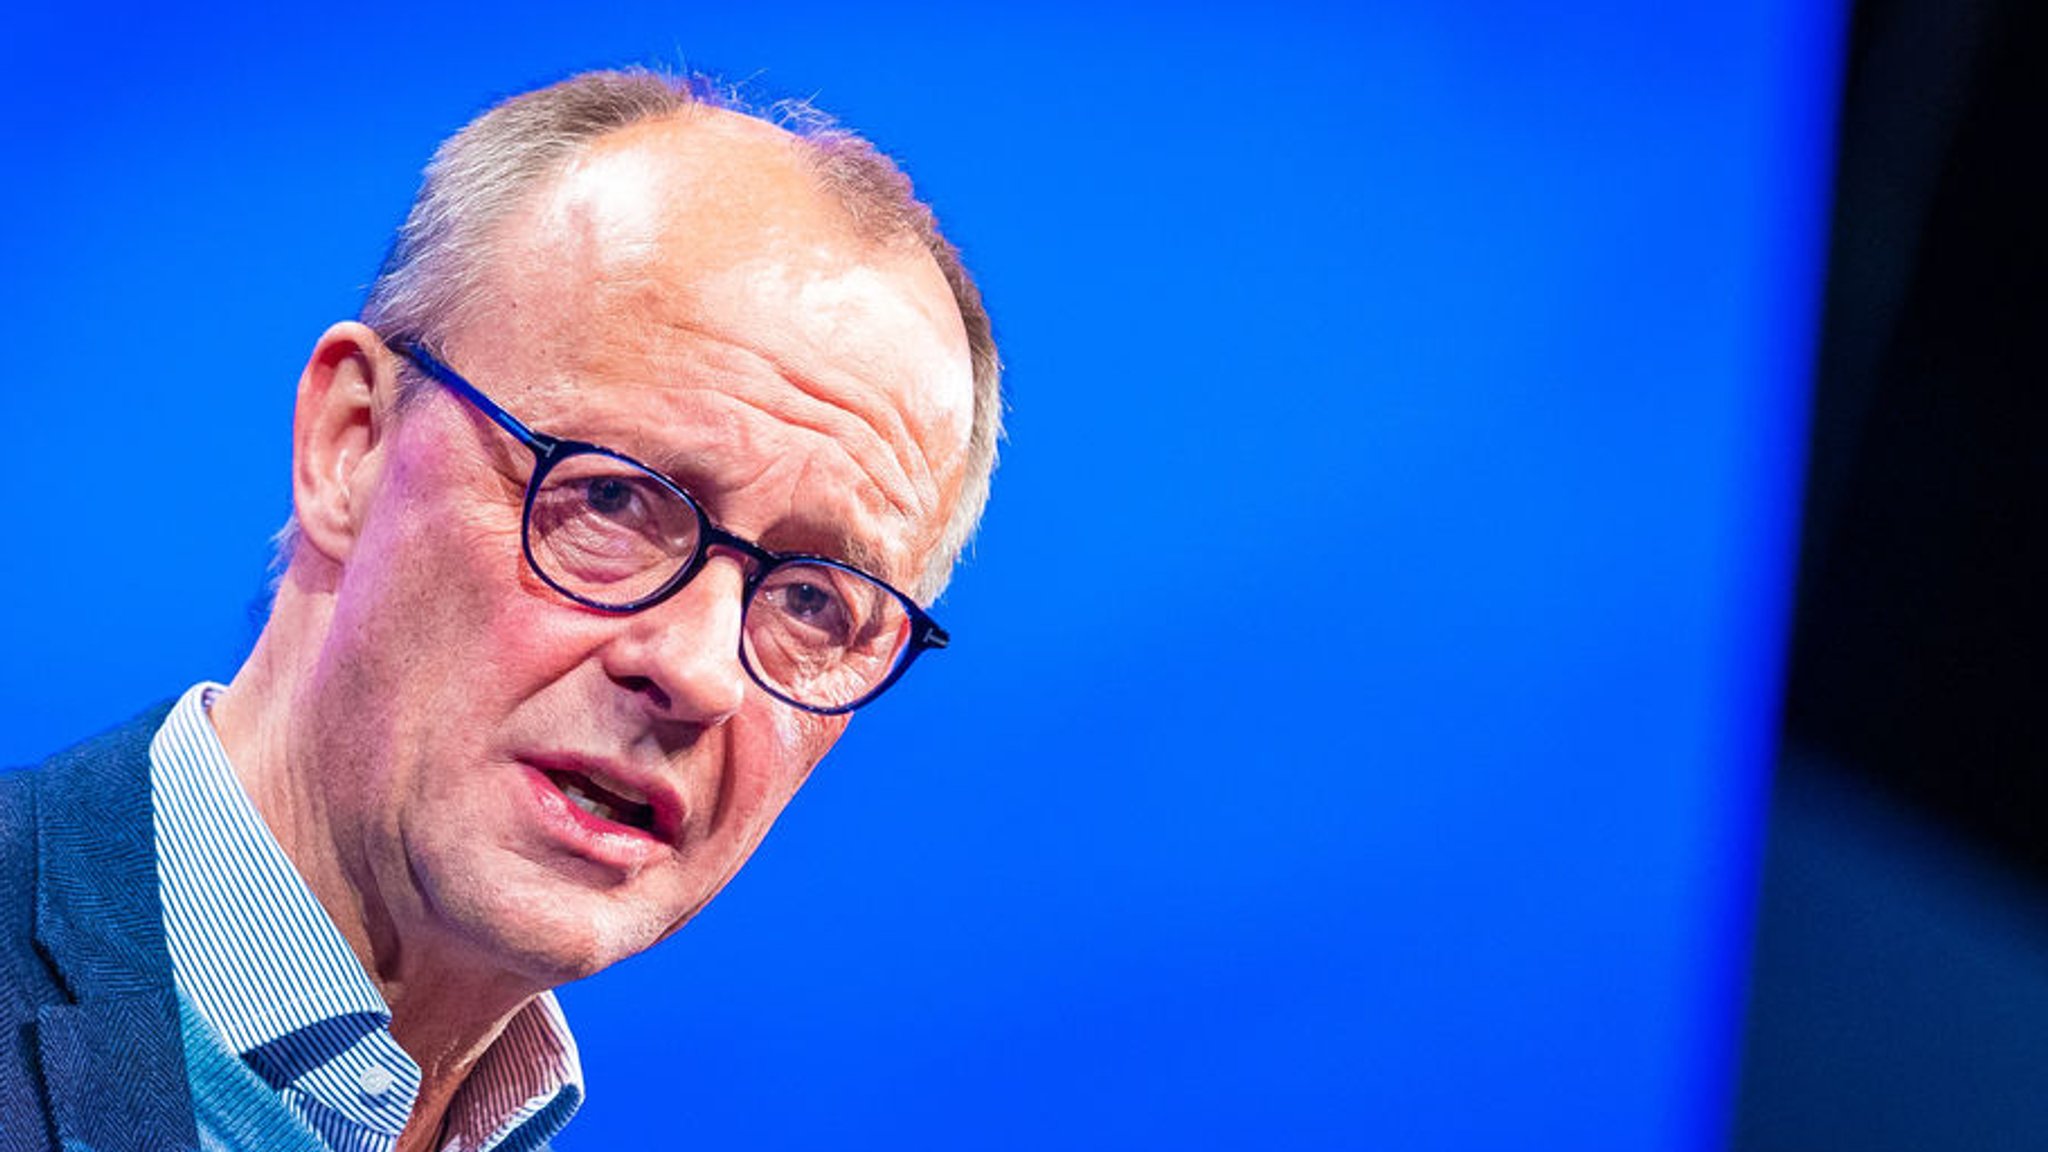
[(549, 451)]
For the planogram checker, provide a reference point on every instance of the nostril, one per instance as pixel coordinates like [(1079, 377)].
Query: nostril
[(645, 685)]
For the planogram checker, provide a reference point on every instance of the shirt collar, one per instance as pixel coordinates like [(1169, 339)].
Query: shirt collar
[(260, 960)]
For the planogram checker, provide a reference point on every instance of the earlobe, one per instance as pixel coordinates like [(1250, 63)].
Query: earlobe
[(345, 397)]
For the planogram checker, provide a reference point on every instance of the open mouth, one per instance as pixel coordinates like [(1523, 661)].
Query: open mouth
[(602, 802)]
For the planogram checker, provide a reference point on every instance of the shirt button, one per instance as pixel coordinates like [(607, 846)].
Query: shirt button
[(374, 1081)]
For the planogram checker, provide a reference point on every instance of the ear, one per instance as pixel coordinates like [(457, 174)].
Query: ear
[(347, 395)]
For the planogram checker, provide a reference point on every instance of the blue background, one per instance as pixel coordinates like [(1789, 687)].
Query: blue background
[(1365, 678)]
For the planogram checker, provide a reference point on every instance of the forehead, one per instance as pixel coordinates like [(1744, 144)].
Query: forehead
[(687, 289)]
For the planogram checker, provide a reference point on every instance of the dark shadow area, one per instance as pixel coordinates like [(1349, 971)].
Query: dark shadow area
[(1900, 989)]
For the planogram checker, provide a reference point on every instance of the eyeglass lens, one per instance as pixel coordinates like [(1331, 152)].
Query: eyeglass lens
[(609, 532)]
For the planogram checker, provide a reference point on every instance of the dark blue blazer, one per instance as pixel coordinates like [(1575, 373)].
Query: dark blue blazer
[(90, 1051)]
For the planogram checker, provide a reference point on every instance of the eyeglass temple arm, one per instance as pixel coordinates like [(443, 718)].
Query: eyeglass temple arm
[(928, 635), (427, 362)]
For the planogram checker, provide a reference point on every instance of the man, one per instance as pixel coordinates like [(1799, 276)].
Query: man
[(658, 428)]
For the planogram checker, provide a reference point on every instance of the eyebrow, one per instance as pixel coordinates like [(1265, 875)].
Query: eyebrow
[(858, 553), (864, 557), (837, 544)]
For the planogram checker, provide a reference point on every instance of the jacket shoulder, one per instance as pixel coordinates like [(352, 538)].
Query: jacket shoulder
[(78, 820), (97, 788)]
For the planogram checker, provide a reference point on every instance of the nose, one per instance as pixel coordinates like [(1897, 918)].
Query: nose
[(683, 654)]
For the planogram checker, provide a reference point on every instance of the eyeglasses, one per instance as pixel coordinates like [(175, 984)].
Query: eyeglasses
[(611, 533)]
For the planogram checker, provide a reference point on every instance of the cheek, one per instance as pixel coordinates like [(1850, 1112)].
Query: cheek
[(771, 752), (803, 739), (435, 632), (799, 732), (435, 623)]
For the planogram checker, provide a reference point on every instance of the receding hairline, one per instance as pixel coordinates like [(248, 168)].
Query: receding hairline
[(704, 128), (485, 174), (689, 162)]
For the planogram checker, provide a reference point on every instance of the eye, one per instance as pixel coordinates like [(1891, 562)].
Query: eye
[(822, 633), (799, 601), (812, 605), (612, 496), (604, 529), (804, 601)]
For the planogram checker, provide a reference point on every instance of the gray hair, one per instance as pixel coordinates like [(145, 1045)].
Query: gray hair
[(431, 279)]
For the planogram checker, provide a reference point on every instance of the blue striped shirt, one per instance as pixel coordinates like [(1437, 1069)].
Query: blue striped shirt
[(258, 959)]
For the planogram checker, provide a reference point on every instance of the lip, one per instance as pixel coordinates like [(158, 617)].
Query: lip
[(587, 834)]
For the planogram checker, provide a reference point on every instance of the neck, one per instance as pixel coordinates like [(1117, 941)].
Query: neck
[(445, 1011)]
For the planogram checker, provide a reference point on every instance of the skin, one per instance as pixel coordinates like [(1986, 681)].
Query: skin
[(683, 293)]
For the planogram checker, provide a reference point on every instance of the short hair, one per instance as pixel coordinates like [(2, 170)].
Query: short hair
[(483, 174)]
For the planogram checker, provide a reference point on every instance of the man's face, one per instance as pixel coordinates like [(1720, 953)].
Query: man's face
[(684, 295)]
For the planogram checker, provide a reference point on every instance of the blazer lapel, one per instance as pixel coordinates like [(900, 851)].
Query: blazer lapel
[(112, 1057)]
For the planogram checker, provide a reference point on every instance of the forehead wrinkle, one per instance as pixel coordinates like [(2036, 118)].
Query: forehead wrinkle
[(832, 413), (825, 415), (844, 544), (828, 414), (905, 505), (887, 421)]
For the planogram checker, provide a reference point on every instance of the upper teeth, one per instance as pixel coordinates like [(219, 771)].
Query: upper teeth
[(618, 788), (588, 803)]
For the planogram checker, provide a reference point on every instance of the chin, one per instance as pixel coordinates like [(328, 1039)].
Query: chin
[(548, 936), (559, 950)]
